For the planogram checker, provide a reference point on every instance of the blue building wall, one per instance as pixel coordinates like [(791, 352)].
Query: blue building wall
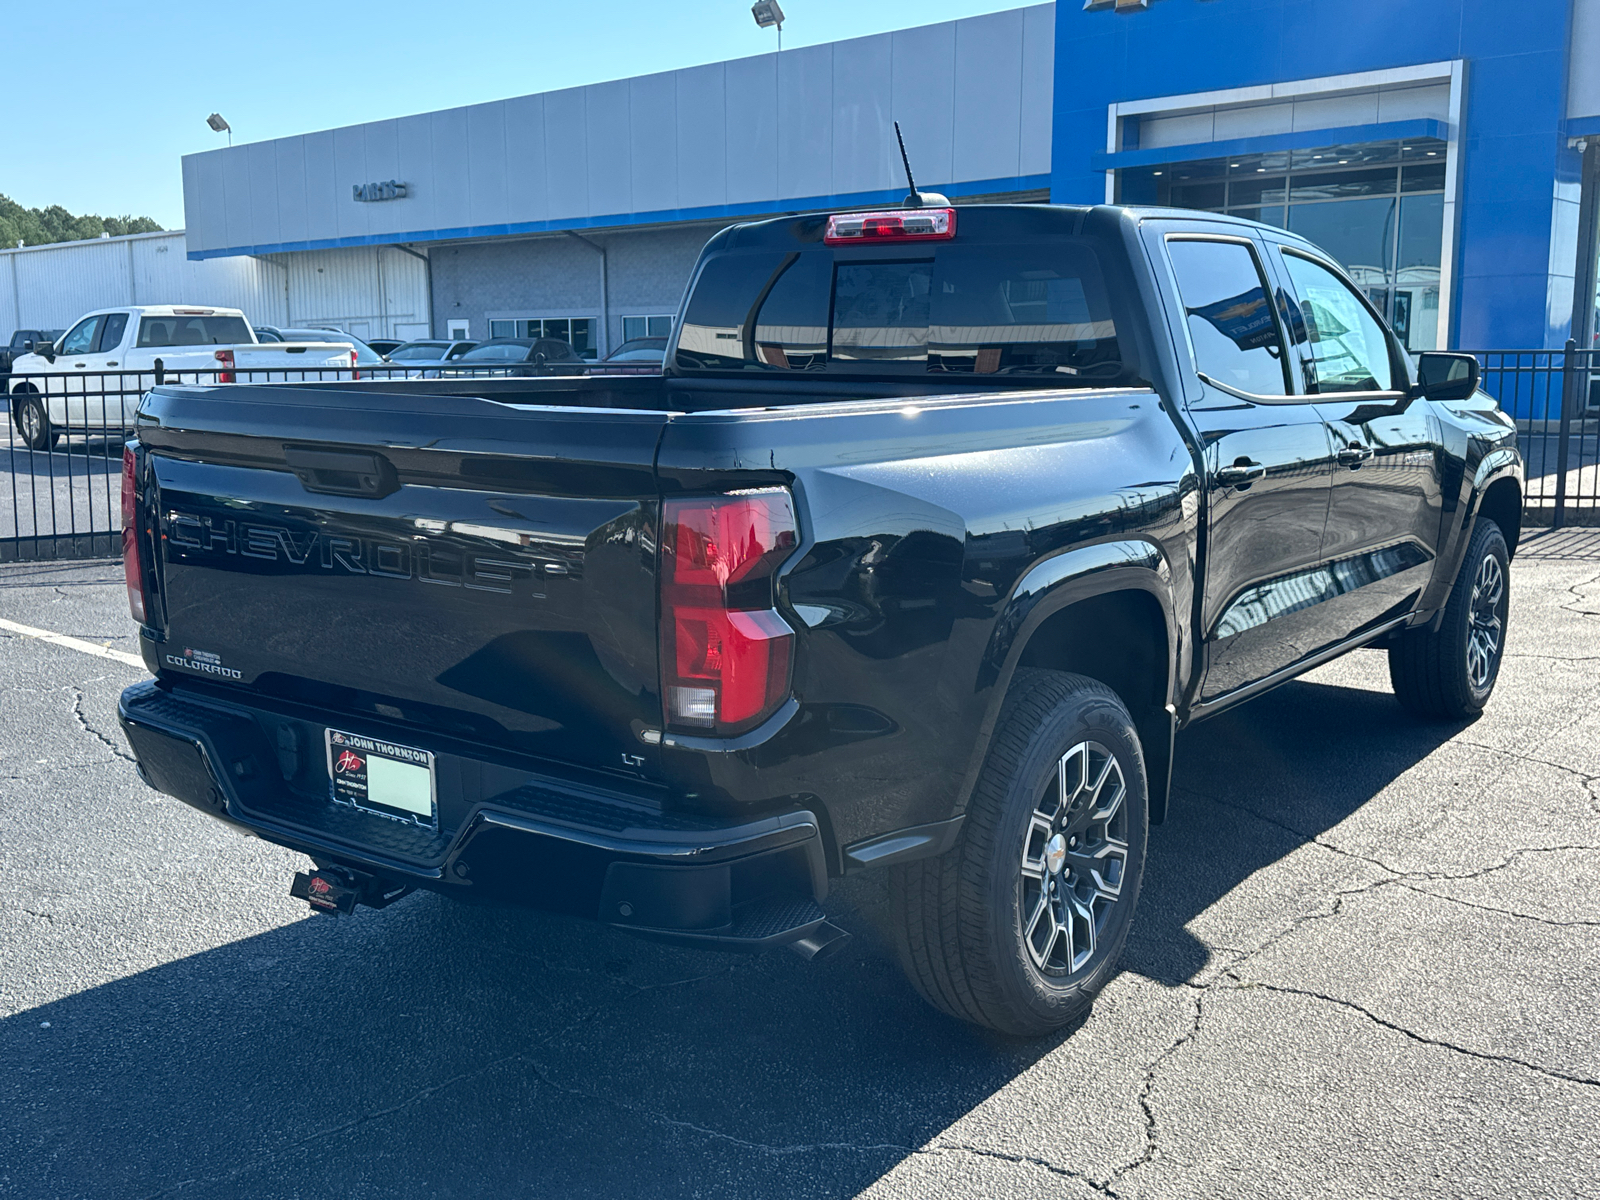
[(1515, 240)]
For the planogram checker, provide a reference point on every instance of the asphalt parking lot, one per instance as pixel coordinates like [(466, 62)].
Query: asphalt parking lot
[(1366, 964)]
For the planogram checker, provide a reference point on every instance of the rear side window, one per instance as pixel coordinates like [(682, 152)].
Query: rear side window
[(193, 331), (1039, 310), (111, 331), (1230, 321)]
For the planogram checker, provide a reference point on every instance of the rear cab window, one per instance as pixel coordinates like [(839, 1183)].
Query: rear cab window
[(182, 330), (1038, 310)]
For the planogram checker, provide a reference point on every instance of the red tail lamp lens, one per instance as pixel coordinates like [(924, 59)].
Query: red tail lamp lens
[(132, 572), (225, 362), (725, 651)]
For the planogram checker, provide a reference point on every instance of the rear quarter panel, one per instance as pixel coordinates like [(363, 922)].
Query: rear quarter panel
[(919, 520)]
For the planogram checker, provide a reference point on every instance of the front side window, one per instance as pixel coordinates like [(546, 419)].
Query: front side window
[(1231, 326), (83, 337), (418, 352), (1345, 349)]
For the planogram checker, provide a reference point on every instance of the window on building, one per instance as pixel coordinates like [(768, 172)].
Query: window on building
[(638, 327), (1377, 208), (578, 332)]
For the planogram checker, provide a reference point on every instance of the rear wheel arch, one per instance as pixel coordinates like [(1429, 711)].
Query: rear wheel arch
[(1123, 637)]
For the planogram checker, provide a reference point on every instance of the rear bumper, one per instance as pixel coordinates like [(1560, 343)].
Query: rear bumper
[(543, 842)]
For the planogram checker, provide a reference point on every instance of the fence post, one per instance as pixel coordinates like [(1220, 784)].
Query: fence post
[(1569, 390)]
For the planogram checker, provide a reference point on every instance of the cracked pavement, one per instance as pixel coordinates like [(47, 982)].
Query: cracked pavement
[(1365, 963)]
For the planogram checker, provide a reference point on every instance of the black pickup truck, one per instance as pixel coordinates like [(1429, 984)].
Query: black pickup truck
[(937, 527)]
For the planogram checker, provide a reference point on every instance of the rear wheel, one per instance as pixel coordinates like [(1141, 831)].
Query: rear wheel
[(33, 421), (1450, 672), (1021, 923)]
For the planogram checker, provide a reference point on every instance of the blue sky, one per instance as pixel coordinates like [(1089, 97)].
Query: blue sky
[(100, 116)]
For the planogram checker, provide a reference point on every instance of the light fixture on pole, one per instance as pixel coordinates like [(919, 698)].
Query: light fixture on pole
[(767, 13), (218, 125)]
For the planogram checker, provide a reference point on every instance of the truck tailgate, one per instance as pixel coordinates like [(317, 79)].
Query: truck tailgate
[(460, 565)]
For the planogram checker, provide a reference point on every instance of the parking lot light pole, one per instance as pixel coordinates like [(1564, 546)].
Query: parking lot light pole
[(767, 13), (218, 125)]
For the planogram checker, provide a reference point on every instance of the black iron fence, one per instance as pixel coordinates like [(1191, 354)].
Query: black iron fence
[(62, 456), (1554, 397)]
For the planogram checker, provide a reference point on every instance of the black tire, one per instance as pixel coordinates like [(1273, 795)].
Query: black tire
[(32, 419), (1449, 673), (959, 920)]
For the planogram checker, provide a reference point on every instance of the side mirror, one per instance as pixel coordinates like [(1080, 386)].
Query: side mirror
[(1442, 376)]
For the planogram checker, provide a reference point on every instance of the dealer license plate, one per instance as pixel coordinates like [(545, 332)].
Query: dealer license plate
[(382, 777)]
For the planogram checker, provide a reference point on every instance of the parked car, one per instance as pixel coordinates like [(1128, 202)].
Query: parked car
[(91, 379), (640, 350), (21, 343), (430, 351), (938, 526), (520, 356), (385, 346), (643, 355), (366, 356)]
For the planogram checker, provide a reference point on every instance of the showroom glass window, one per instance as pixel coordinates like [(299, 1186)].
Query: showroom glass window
[(578, 332), (638, 327), (1377, 208)]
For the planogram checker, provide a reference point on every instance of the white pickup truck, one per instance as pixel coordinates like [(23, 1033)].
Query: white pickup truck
[(91, 380)]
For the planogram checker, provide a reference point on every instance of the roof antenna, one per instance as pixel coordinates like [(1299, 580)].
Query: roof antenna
[(916, 199)]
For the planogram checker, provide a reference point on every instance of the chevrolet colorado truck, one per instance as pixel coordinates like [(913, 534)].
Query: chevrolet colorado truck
[(90, 379), (937, 527)]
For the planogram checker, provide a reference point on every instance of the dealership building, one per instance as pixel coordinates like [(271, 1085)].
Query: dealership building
[(1446, 151)]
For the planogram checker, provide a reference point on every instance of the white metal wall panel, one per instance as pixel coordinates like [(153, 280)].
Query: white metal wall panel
[(1038, 89), (988, 82), (653, 141), (414, 137), (486, 152), (610, 187), (924, 99), (751, 146), (323, 200), (52, 286), (291, 189), (371, 287), (974, 96), (863, 137), (699, 134), (526, 185), (805, 132), (567, 156)]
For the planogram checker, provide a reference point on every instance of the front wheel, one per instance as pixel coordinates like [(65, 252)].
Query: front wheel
[(33, 422), (1020, 924), (1449, 673)]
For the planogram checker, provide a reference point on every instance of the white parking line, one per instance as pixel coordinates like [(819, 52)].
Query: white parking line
[(72, 643)]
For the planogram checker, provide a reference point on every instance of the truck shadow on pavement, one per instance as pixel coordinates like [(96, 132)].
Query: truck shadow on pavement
[(436, 1050)]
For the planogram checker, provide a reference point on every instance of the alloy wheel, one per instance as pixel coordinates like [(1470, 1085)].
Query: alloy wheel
[(1073, 860), (32, 427), (1487, 622)]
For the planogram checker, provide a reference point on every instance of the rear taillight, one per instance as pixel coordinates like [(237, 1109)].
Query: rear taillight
[(224, 365), (131, 569), (726, 654), (354, 374), (901, 225)]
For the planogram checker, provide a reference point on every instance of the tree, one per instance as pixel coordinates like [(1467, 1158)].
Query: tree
[(41, 226)]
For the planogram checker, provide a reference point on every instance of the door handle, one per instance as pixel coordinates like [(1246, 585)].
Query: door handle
[(80, 364), (1354, 456), (1242, 473), (111, 364)]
